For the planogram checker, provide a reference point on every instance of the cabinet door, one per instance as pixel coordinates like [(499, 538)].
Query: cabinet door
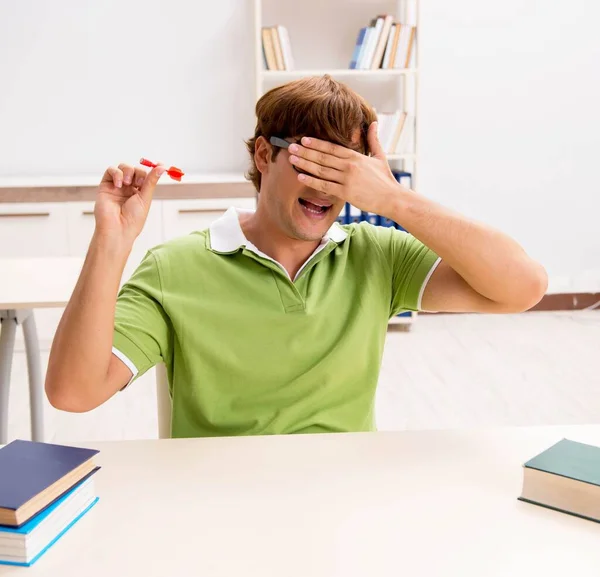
[(181, 217), (33, 229), (81, 225)]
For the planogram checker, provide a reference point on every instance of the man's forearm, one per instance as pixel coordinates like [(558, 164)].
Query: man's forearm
[(491, 262), (82, 346)]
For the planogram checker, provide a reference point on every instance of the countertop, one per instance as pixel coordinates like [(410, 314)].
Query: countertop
[(80, 188)]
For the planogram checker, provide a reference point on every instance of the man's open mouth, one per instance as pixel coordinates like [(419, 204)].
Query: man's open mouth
[(314, 208)]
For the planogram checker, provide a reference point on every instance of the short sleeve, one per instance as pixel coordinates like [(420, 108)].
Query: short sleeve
[(142, 331), (411, 264)]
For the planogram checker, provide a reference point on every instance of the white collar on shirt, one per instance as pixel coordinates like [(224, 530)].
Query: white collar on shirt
[(226, 234)]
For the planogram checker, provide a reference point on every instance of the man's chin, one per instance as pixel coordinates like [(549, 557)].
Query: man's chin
[(306, 230), (310, 234)]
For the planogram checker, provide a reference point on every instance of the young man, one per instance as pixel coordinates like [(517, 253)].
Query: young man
[(274, 322)]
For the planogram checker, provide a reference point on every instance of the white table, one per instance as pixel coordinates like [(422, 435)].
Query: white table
[(27, 284), (418, 504)]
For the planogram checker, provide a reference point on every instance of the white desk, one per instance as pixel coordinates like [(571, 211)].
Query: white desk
[(418, 504), (26, 284)]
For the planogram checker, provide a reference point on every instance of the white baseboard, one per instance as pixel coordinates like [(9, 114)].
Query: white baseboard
[(587, 281)]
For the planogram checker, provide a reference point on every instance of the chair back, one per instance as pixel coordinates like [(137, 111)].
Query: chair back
[(163, 402)]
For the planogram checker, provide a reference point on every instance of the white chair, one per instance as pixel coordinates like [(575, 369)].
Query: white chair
[(163, 402)]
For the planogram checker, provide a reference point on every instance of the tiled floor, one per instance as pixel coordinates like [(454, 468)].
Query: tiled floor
[(448, 371)]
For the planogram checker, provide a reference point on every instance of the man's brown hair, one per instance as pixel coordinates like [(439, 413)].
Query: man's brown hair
[(316, 106)]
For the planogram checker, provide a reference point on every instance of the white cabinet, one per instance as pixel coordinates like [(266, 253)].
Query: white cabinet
[(181, 217), (33, 229), (66, 228), (81, 225)]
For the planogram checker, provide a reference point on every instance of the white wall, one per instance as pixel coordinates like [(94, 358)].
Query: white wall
[(510, 124), (508, 106), (84, 84)]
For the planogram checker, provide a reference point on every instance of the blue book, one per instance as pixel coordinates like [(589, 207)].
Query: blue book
[(360, 62), (34, 475), (357, 46), (23, 546), (344, 217), (403, 177)]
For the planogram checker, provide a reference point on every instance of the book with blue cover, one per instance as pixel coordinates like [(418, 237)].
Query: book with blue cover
[(357, 47), (24, 545), (34, 475)]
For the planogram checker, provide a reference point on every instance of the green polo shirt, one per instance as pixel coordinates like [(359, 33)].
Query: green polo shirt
[(248, 351)]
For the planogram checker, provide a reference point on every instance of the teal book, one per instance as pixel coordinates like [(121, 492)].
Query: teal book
[(23, 546), (565, 478)]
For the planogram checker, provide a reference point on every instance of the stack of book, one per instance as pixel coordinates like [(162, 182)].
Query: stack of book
[(277, 49), (44, 490), (395, 131), (383, 44)]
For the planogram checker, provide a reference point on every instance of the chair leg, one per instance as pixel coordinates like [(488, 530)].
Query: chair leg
[(34, 370), (8, 331)]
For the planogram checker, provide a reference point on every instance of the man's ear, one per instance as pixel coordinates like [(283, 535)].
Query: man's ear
[(262, 154)]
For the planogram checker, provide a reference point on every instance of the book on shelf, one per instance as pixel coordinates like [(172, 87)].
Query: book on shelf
[(395, 131), (357, 46), (277, 48), (44, 490), (403, 177), (350, 214), (565, 478), (383, 44), (391, 44), (384, 26)]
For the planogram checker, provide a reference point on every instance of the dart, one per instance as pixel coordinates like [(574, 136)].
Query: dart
[(174, 172)]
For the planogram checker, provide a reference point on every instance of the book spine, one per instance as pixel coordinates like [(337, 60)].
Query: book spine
[(381, 42), (388, 48), (395, 46), (398, 131), (286, 47), (267, 39), (384, 122), (392, 131), (357, 47), (404, 178), (364, 46), (411, 41), (373, 43), (406, 141), (398, 62), (277, 48)]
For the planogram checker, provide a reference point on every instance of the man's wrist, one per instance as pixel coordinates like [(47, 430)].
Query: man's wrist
[(398, 203), (113, 246)]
